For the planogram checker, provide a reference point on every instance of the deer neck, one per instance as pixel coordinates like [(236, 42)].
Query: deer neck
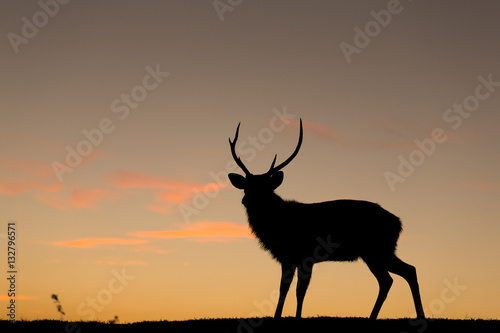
[(262, 206)]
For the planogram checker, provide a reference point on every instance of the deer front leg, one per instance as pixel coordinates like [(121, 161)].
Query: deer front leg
[(287, 272), (304, 273)]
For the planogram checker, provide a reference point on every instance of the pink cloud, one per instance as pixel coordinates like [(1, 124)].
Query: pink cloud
[(54, 200), (402, 140), (77, 197), (150, 249), (87, 198), (397, 128), (320, 130), (15, 186), (388, 145), (94, 155), (405, 132), (126, 179), (32, 178), (38, 179), (98, 242), (119, 263), (202, 231), (165, 201), (483, 186), (168, 191), (35, 168), (166, 208)]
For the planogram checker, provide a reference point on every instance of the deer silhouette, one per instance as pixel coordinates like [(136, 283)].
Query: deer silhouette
[(298, 235)]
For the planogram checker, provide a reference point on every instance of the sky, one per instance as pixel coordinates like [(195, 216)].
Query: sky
[(115, 118)]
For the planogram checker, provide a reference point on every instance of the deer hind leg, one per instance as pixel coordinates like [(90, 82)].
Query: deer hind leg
[(409, 273), (304, 273), (287, 272), (384, 282)]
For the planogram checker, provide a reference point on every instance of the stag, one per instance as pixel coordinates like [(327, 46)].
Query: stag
[(299, 235)]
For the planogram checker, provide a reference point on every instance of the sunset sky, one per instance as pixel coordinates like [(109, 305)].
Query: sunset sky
[(115, 118)]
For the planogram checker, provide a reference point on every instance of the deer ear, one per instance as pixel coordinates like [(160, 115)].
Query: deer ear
[(276, 179), (238, 181)]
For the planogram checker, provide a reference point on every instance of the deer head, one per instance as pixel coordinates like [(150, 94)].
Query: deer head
[(259, 185)]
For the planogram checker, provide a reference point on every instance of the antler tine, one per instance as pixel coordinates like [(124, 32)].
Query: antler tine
[(233, 152), (285, 163), (272, 164)]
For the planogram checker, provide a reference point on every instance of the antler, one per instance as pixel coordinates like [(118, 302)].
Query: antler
[(282, 165), (233, 152)]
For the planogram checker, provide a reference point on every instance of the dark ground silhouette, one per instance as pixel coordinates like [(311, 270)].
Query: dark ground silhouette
[(253, 325)]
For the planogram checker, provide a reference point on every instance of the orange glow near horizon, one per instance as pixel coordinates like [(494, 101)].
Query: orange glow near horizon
[(216, 230), (95, 242)]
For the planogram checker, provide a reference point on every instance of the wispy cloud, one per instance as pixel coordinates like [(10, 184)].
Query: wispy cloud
[(37, 178), (403, 131), (115, 262), (151, 249), (98, 242), (202, 231), (15, 186), (41, 169), (350, 141), (398, 129), (478, 185), (34, 178), (399, 135), (32, 167), (127, 179), (321, 131), (87, 197), (168, 191), (55, 261), (59, 201), (76, 197)]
